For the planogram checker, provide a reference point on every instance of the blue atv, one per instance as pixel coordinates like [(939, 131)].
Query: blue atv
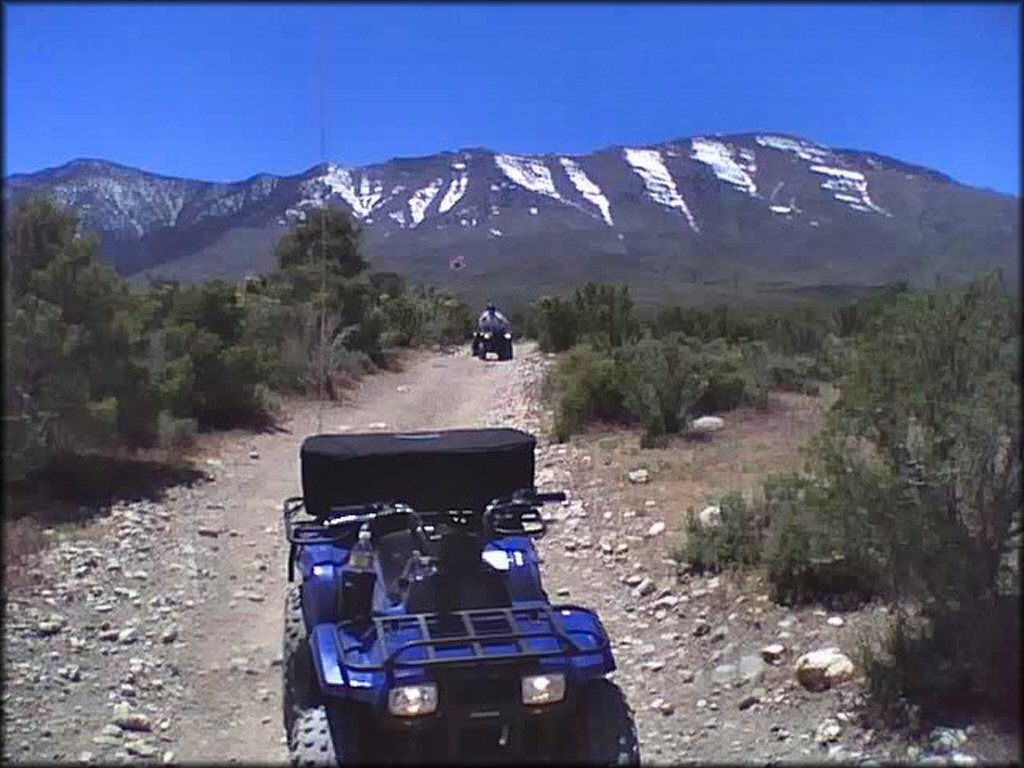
[(419, 629)]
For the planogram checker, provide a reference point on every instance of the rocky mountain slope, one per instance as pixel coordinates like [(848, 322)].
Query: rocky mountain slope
[(741, 209)]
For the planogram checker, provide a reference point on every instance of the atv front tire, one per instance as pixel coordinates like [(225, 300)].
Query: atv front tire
[(299, 687), (608, 734), (318, 739)]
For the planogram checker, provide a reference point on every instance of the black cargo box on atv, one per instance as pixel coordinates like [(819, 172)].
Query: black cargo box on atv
[(430, 471)]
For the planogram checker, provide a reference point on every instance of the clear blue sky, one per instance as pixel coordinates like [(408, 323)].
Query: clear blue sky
[(222, 92)]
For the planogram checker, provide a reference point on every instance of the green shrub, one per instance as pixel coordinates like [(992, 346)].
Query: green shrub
[(598, 315), (585, 386), (737, 540)]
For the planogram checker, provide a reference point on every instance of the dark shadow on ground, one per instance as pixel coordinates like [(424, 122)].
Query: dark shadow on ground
[(75, 489)]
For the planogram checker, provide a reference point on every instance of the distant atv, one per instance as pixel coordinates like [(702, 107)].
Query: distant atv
[(419, 628), (486, 342)]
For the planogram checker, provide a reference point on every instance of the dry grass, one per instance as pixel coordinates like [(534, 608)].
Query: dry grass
[(686, 473)]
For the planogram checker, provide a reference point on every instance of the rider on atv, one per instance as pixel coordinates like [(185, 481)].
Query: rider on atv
[(492, 321), (494, 334)]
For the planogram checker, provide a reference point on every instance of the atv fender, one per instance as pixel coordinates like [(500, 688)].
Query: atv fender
[(369, 687), (324, 650), (320, 594)]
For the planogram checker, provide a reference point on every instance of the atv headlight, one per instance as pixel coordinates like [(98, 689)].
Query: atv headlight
[(487, 335), (508, 335), (543, 689), (413, 700)]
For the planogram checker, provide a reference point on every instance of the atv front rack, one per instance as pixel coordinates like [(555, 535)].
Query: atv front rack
[(474, 631)]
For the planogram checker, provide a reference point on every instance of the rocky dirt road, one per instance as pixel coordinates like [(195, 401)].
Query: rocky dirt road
[(154, 633)]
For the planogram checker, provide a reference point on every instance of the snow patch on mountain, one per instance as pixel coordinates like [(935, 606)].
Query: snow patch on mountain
[(649, 166), (731, 166), (421, 200), (805, 150), (850, 187), (587, 188), (529, 173), (455, 191), (339, 181)]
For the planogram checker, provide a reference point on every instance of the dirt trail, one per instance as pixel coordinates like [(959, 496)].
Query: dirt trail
[(232, 716)]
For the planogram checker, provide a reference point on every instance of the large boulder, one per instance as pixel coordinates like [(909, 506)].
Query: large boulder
[(822, 668)]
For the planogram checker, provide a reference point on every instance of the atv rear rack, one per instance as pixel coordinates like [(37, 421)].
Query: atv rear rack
[(472, 630)]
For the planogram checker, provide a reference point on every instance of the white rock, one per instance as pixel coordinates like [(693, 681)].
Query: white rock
[(706, 424), (644, 588), (656, 529), (773, 653), (639, 476), (828, 731), (822, 668), (710, 517), (835, 621)]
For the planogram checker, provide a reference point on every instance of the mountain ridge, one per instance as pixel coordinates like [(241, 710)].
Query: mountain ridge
[(750, 207)]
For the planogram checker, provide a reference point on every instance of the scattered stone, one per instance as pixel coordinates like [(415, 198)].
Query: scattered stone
[(719, 633), (71, 672), (51, 626), (211, 533), (752, 698), (835, 621), (645, 587), (773, 653), (633, 580), (686, 675), (751, 668), (710, 517), (169, 636), (822, 668), (563, 592), (128, 635), (130, 720), (656, 529), (254, 454), (639, 476), (828, 731), (701, 628), (665, 707), (706, 425), (141, 748)]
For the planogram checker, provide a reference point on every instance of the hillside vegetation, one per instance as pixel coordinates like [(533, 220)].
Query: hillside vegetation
[(911, 494), (92, 366)]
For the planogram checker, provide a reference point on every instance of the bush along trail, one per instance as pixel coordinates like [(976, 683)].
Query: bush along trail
[(153, 633)]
